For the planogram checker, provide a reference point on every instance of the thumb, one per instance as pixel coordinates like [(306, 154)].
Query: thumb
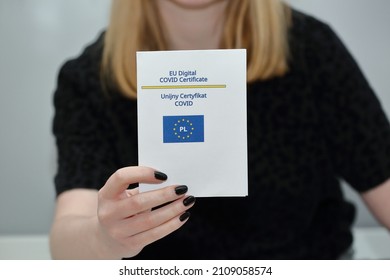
[(118, 182)]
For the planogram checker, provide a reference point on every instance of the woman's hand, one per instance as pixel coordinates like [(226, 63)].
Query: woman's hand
[(126, 222)]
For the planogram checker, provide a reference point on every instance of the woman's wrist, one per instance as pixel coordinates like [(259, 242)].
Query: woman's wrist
[(101, 244)]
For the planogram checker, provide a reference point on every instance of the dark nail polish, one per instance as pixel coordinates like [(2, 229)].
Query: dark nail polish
[(189, 200), (160, 176), (184, 216), (181, 189)]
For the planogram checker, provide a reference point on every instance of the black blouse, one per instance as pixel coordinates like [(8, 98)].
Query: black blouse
[(318, 124)]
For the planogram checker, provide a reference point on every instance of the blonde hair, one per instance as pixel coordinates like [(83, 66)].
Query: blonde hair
[(260, 26)]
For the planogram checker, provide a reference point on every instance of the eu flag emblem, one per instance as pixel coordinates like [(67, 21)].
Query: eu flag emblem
[(178, 129)]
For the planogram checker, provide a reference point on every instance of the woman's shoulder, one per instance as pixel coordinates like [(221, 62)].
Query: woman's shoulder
[(303, 21), (315, 41), (87, 62), (78, 81), (308, 29)]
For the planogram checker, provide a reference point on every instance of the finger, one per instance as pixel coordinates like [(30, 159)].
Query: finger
[(136, 204), (147, 237), (122, 178), (152, 219), (132, 192)]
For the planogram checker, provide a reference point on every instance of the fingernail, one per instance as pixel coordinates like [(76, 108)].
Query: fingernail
[(181, 189), (160, 176), (189, 200), (184, 216)]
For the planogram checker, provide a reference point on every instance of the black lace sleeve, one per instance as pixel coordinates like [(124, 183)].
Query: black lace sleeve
[(353, 122), (79, 127)]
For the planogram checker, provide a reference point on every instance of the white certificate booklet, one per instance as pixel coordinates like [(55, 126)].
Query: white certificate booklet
[(192, 119)]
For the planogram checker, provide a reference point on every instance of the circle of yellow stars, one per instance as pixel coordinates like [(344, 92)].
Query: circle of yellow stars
[(189, 132)]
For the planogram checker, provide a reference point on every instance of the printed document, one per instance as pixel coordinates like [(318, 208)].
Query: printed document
[(192, 119)]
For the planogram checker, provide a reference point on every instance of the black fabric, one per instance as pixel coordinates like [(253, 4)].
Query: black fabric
[(306, 130)]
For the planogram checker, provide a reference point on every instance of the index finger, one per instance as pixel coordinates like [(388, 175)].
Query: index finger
[(122, 178)]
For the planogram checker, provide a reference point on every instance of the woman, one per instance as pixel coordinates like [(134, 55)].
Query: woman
[(312, 119)]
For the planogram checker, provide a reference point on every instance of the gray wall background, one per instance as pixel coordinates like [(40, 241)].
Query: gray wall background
[(37, 36)]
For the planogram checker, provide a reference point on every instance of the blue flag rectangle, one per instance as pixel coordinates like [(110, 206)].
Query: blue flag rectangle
[(179, 129)]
